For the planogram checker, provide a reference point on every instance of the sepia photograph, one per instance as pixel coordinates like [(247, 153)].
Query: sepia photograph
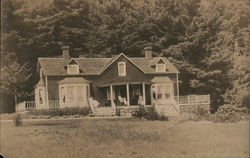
[(125, 79)]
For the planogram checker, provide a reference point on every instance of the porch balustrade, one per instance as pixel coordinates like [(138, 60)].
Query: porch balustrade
[(181, 100), (193, 99), (52, 104)]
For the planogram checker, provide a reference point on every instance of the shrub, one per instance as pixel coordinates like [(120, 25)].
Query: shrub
[(140, 112), (148, 113), (17, 119), (68, 111), (201, 111)]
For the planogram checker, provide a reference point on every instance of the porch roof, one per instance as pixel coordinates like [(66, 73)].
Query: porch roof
[(39, 84), (73, 80), (161, 79), (123, 81)]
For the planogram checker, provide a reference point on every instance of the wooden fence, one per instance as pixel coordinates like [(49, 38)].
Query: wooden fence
[(193, 99)]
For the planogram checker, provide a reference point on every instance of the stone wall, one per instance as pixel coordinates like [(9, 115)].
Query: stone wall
[(194, 108), (125, 112)]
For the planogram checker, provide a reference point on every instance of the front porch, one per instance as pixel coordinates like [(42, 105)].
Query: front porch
[(128, 94), (184, 101)]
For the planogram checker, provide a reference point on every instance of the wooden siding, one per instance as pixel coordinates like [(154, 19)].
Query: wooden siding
[(132, 71), (111, 73)]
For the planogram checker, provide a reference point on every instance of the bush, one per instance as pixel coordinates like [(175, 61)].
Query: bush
[(149, 114), (83, 111), (140, 112), (201, 111), (217, 117), (230, 109), (17, 119)]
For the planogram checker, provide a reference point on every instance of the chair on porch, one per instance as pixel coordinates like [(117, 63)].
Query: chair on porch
[(93, 103), (122, 101)]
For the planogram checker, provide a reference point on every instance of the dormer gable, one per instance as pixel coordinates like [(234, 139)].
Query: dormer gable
[(160, 66), (73, 67)]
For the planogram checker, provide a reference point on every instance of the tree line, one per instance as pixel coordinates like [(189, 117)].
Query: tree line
[(207, 40)]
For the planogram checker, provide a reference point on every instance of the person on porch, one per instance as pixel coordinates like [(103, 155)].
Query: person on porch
[(140, 100), (154, 96)]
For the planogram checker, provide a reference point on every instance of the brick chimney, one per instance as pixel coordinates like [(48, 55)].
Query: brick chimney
[(77, 52), (148, 52), (65, 52)]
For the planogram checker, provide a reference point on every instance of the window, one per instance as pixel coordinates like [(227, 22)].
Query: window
[(71, 93), (121, 69), (164, 92), (160, 68), (87, 93), (40, 96), (160, 92), (80, 94), (63, 94), (73, 69)]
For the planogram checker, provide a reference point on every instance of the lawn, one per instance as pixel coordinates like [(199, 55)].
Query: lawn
[(113, 138)]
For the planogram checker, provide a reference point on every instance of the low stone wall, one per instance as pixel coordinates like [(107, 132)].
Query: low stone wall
[(125, 111), (194, 108)]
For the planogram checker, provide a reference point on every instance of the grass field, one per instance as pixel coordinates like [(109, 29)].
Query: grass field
[(113, 138)]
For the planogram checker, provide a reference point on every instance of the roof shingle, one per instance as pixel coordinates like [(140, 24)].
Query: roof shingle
[(94, 66)]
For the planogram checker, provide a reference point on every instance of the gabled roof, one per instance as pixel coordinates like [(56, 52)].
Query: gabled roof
[(94, 66), (40, 83), (57, 66), (116, 57), (73, 80), (146, 65), (73, 61)]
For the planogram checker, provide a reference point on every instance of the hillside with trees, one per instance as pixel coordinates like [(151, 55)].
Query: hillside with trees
[(207, 40)]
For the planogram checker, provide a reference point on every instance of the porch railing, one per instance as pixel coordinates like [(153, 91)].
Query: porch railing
[(182, 100), (193, 99), (30, 104), (51, 104)]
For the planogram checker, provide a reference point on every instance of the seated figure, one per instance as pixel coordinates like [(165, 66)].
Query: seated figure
[(140, 100), (125, 101), (121, 100)]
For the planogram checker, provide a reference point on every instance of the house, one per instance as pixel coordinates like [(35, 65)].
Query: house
[(116, 82)]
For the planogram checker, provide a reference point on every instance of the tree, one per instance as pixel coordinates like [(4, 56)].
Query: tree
[(14, 78)]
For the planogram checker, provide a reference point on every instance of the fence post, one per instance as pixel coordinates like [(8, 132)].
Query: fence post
[(188, 97), (208, 97)]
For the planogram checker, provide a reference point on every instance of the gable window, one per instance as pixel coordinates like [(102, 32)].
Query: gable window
[(160, 68), (121, 69), (73, 69)]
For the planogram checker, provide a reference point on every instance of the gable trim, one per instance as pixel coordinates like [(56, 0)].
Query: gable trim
[(74, 60), (121, 54)]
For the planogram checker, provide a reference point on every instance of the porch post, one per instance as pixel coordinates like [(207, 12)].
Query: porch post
[(144, 94), (128, 98), (177, 86), (111, 95), (47, 93)]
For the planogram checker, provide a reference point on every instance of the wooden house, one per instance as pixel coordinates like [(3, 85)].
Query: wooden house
[(116, 82)]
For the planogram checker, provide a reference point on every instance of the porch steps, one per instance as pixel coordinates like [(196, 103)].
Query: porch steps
[(168, 110), (103, 111)]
